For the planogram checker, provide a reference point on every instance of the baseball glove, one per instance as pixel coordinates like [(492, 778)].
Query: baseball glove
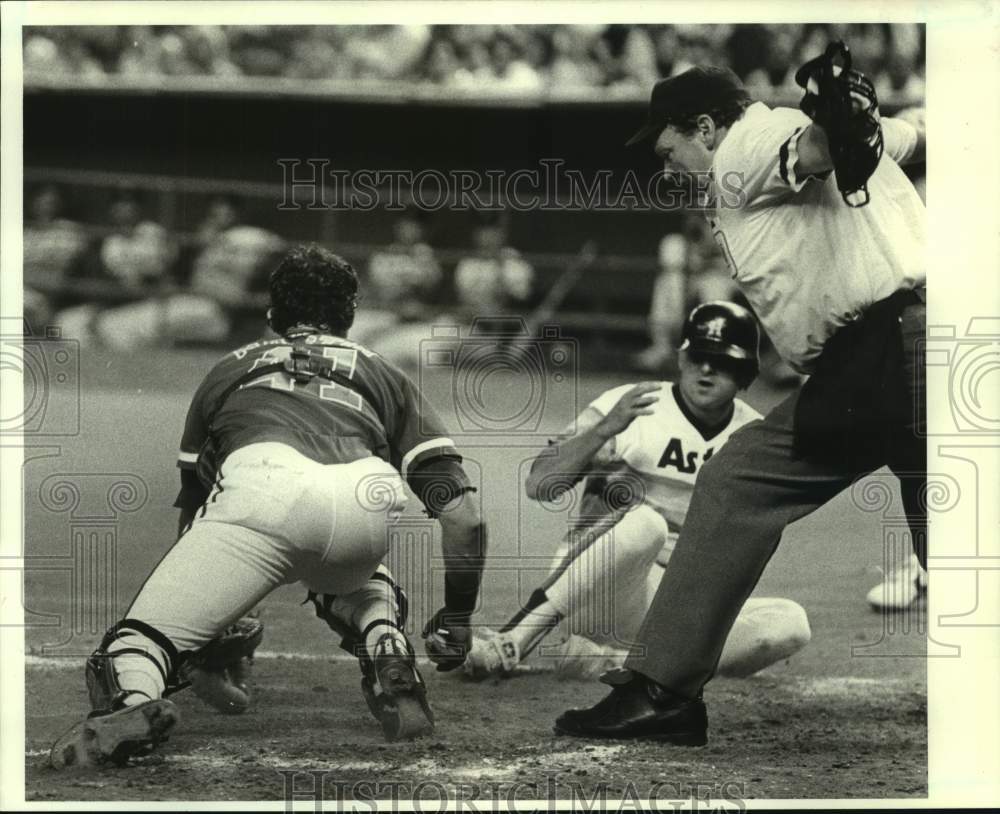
[(219, 672), (447, 640), (842, 101)]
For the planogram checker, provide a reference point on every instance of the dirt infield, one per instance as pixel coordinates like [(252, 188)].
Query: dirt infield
[(845, 718), (774, 736)]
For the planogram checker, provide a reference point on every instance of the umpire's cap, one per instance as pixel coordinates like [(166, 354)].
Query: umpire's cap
[(723, 329), (682, 97)]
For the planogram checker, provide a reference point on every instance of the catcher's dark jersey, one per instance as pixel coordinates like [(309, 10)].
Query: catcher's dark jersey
[(369, 408)]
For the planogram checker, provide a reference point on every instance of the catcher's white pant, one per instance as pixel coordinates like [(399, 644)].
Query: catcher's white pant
[(605, 590), (274, 517)]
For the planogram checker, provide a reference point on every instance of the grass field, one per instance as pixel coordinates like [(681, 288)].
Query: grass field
[(846, 717)]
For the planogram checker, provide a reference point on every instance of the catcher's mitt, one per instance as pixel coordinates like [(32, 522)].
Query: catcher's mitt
[(843, 102), (219, 672), (447, 640)]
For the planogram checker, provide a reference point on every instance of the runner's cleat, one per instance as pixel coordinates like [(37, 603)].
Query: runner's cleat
[(492, 654)]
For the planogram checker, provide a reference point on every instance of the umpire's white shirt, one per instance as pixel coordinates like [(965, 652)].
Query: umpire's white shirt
[(806, 261)]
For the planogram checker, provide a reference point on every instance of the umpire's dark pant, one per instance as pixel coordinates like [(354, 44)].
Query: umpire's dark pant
[(863, 408)]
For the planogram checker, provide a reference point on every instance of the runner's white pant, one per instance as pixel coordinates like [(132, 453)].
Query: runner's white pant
[(274, 517), (607, 588)]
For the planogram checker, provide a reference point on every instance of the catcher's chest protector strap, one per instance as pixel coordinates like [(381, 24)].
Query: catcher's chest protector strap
[(303, 367)]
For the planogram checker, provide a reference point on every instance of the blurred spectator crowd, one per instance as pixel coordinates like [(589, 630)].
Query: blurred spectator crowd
[(127, 282), (130, 283), (484, 58)]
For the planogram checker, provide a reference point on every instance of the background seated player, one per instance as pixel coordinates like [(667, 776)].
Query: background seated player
[(293, 459), (640, 448), (902, 587), (494, 278), (405, 281)]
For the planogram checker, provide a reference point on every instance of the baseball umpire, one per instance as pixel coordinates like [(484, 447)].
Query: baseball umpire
[(293, 459), (826, 240)]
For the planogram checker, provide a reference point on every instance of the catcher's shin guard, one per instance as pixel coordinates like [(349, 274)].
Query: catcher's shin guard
[(103, 684), (351, 638), (115, 731), (390, 682)]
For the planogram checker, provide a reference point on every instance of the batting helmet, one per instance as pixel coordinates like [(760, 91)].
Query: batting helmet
[(728, 330)]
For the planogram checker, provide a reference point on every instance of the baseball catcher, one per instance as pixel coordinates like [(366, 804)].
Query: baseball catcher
[(842, 101), (296, 453)]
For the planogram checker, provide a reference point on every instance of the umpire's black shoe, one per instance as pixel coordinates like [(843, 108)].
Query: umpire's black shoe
[(638, 707)]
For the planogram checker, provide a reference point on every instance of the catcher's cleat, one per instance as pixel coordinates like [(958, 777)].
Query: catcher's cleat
[(901, 589), (114, 737), (492, 654), (581, 659), (394, 690)]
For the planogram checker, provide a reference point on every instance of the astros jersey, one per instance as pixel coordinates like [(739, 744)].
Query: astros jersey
[(666, 449), (374, 408), (806, 261)]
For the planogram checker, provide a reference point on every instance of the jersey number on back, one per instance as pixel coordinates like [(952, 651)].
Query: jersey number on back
[(344, 362)]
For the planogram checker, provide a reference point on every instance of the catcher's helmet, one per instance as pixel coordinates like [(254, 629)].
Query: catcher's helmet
[(724, 329)]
